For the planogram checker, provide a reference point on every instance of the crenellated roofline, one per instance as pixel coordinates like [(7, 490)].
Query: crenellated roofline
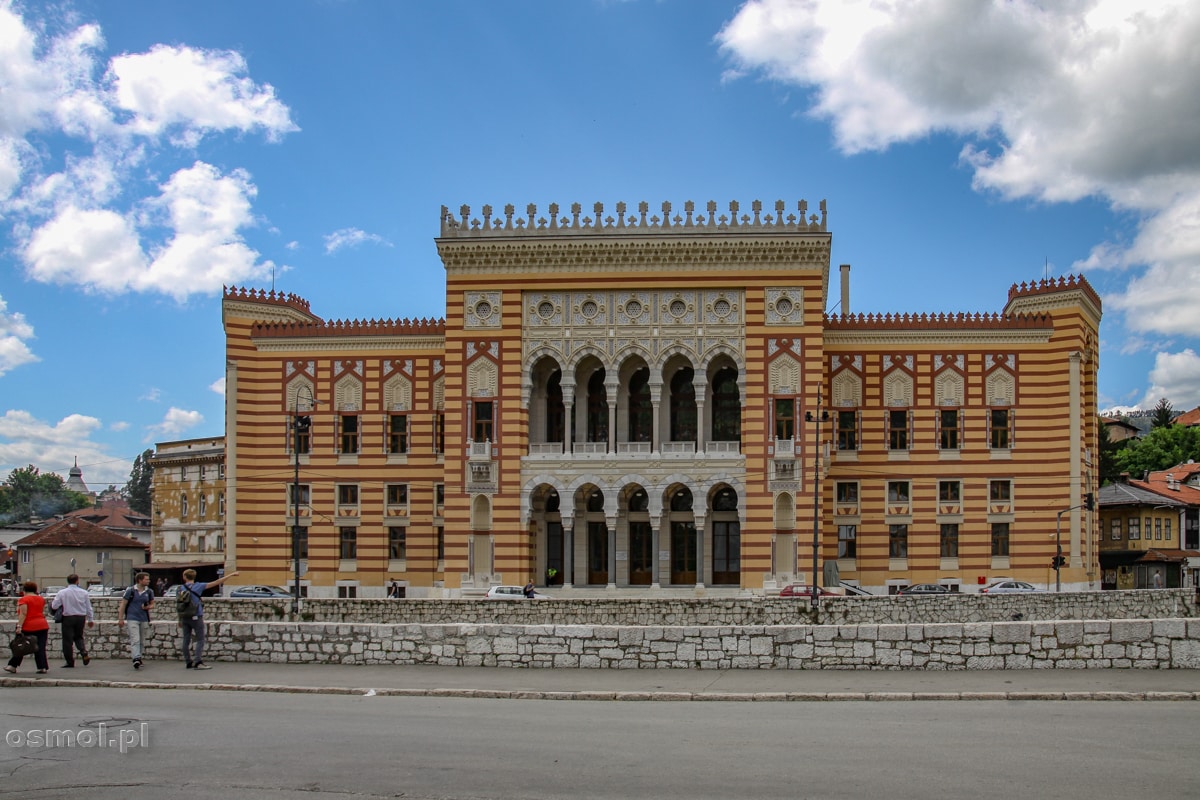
[(1052, 285), (959, 321), (642, 223), (357, 327), (271, 297)]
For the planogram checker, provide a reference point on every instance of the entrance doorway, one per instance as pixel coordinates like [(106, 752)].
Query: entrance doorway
[(683, 552), (555, 561), (641, 554), (597, 553)]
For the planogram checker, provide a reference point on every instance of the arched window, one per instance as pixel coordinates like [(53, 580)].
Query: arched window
[(683, 406), (641, 416), (638, 501), (597, 408), (726, 407), (725, 500), (552, 502), (595, 501), (555, 410), (682, 500)]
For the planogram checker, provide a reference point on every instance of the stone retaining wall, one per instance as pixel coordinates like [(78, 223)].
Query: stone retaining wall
[(957, 608), (1066, 644)]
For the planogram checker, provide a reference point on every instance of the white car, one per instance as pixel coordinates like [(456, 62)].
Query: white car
[(96, 590), (1009, 587), (512, 593)]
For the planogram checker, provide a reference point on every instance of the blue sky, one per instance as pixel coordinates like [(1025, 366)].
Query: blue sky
[(153, 150)]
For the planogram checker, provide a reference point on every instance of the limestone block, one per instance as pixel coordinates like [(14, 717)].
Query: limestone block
[(1131, 630)]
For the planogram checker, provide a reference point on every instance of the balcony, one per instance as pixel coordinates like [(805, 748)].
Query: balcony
[(479, 450), (634, 448), (785, 447), (678, 447), (546, 448), (589, 448), (784, 469), (723, 448)]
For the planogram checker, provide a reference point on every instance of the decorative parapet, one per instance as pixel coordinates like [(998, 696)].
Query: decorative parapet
[(357, 327), (960, 321), (463, 226), (1052, 285), (270, 297)]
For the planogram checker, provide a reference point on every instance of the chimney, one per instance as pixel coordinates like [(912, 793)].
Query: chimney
[(845, 290)]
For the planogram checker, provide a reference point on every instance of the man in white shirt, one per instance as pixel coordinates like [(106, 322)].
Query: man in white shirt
[(76, 608)]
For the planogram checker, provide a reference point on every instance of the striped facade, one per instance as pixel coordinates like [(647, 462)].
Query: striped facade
[(652, 403)]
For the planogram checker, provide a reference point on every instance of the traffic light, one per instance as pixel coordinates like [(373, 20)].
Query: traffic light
[(1089, 501), (1058, 562)]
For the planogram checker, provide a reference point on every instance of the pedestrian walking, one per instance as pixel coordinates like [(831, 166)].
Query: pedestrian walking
[(160, 588), (31, 620), (76, 606), (1158, 581), (190, 607), (133, 614)]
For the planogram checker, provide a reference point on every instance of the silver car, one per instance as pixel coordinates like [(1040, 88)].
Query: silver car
[(1009, 587)]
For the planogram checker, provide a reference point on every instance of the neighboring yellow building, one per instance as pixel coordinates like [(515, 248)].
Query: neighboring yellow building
[(188, 512), (622, 400)]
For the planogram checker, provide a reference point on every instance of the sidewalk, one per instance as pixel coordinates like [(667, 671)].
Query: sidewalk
[(627, 685)]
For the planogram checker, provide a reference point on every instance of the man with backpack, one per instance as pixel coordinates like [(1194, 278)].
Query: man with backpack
[(190, 607), (133, 614)]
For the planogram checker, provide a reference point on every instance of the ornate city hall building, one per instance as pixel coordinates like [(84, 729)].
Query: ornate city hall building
[(658, 402)]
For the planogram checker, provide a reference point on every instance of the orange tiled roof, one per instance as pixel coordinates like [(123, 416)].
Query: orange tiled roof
[(70, 532), (1189, 418)]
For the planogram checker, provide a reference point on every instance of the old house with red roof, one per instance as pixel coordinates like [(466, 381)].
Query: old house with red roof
[(73, 545)]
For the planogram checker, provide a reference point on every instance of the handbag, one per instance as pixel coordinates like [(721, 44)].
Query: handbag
[(58, 615), (23, 645)]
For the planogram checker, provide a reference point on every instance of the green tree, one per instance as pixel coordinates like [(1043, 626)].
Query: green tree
[(1109, 452), (1160, 449), (29, 493), (139, 489), (1163, 416)]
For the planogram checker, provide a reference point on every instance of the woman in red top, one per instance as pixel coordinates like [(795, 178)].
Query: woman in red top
[(31, 620)]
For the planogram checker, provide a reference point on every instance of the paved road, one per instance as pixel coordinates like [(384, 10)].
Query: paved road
[(217, 744)]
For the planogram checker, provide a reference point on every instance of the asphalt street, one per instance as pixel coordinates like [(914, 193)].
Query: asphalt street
[(205, 744)]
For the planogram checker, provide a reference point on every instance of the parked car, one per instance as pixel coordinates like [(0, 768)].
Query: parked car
[(97, 590), (1009, 587), (512, 593), (51, 591), (804, 590), (260, 591), (924, 588)]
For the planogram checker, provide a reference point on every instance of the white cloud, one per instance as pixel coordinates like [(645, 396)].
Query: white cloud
[(14, 334), (1060, 101), (175, 422), (218, 386), (119, 426), (54, 447), (351, 237), (152, 395), (101, 250), (96, 222), (192, 92), (1176, 376), (94, 249)]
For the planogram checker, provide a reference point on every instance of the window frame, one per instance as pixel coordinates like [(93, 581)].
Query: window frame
[(898, 436), (348, 542), (943, 494), (1001, 539), (898, 540), (948, 539), (847, 542), (398, 535), (349, 440)]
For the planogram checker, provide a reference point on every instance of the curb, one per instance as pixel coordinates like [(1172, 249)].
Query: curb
[(618, 696)]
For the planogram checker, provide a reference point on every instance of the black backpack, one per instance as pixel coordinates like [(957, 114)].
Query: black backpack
[(185, 602)]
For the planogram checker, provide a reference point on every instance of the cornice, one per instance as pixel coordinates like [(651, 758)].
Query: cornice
[(938, 337), (652, 254), (315, 344)]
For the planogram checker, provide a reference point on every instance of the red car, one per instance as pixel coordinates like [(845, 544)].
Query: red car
[(804, 590)]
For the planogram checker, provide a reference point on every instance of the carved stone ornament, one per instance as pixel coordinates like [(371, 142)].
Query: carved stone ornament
[(785, 305), (481, 310)]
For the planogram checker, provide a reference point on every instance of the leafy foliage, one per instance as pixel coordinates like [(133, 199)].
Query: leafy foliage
[(1162, 448), (28, 493), (139, 489)]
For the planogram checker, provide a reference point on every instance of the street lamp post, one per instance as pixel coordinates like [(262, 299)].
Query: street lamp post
[(817, 419), (1089, 503), (300, 424)]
